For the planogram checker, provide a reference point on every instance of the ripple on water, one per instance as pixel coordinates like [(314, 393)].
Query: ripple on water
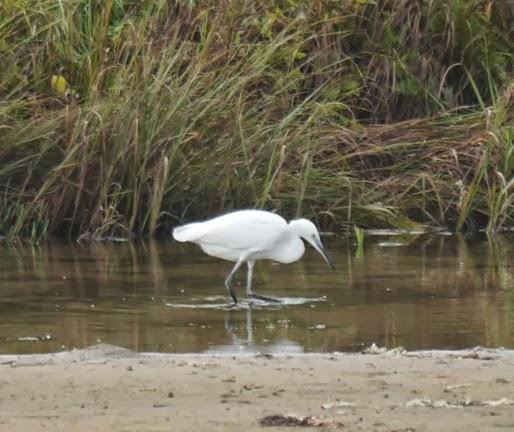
[(200, 303)]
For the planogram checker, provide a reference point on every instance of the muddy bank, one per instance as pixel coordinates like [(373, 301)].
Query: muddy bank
[(110, 388)]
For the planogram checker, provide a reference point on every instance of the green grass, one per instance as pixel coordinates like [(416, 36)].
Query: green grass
[(376, 114)]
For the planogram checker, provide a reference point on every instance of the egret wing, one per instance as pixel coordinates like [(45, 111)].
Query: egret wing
[(245, 230), (249, 232)]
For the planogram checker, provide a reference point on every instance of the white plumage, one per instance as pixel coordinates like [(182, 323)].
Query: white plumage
[(250, 235)]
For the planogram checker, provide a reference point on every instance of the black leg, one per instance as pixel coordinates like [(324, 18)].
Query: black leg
[(229, 278), (265, 298), (232, 294)]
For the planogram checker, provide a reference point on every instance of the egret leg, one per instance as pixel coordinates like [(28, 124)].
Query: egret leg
[(249, 275), (249, 290), (229, 278)]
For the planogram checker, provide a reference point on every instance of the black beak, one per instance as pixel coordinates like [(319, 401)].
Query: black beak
[(324, 254)]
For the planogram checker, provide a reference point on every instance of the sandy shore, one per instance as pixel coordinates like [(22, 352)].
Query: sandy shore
[(106, 388)]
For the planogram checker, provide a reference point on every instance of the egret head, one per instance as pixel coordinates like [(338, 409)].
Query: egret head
[(308, 231)]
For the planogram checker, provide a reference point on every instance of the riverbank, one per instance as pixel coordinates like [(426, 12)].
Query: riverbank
[(110, 388), (375, 114)]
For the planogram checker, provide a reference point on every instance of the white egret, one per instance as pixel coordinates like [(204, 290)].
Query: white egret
[(250, 235)]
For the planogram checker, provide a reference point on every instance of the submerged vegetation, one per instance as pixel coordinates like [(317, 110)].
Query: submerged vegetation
[(123, 117)]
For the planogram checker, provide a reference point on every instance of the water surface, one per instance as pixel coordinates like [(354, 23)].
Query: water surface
[(418, 292)]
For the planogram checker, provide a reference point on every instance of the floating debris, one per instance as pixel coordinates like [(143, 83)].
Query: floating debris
[(441, 403), (493, 403), (295, 421), (42, 338), (374, 349), (318, 327), (160, 405), (337, 404), (113, 239), (391, 244), (448, 388), (395, 232), (27, 339)]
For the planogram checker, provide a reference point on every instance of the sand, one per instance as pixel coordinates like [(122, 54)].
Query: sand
[(106, 388)]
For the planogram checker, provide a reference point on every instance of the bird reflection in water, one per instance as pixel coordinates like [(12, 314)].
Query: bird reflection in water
[(248, 344)]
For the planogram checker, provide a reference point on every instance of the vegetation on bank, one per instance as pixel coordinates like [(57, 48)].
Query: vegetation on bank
[(125, 117)]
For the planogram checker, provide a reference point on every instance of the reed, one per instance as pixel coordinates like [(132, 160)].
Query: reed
[(359, 238), (121, 118)]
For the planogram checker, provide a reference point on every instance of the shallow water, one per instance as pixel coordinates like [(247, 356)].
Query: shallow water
[(418, 292)]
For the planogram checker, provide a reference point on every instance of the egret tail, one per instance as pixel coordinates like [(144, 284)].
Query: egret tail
[(189, 232)]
